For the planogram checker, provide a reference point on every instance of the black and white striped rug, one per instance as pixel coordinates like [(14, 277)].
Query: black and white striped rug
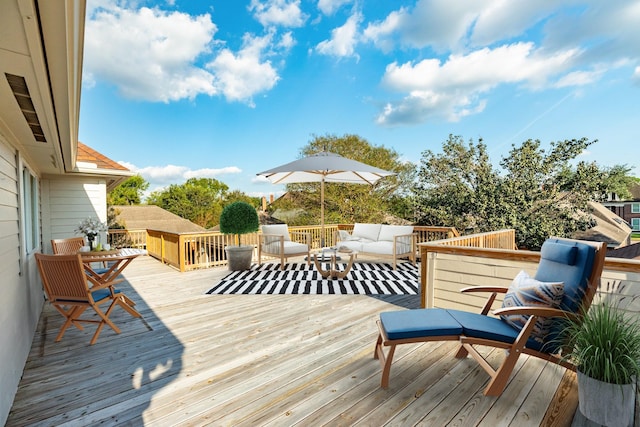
[(298, 278)]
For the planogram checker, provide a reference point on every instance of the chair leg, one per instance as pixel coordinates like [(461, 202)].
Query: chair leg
[(462, 353), (385, 361), (499, 381), (105, 320), (71, 315), (123, 302)]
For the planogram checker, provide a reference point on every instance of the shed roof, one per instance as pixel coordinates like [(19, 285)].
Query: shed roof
[(136, 217)]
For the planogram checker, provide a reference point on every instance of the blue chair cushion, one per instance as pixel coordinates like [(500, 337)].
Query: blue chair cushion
[(102, 293), (480, 326), (569, 262), (430, 322)]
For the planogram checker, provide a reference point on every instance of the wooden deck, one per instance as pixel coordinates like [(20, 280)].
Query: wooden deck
[(250, 360)]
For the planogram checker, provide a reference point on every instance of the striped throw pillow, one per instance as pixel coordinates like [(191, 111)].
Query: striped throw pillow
[(526, 291)]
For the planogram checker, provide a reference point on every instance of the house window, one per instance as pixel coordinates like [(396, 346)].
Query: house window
[(635, 224), (30, 210), (635, 207)]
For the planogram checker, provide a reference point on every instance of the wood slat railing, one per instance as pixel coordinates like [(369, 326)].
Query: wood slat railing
[(189, 251), (447, 266)]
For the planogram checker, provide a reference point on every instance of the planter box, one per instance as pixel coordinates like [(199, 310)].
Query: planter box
[(605, 403)]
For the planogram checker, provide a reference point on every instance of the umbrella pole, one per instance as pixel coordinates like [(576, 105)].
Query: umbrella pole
[(322, 212)]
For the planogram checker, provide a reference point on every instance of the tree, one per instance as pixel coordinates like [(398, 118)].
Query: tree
[(239, 196), (129, 192), (538, 193), (348, 203), (199, 200)]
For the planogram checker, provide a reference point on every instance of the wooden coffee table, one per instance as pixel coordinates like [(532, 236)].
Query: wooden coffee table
[(334, 256)]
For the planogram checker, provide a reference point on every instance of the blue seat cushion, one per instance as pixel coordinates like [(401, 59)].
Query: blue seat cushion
[(429, 322), (476, 325), (102, 293)]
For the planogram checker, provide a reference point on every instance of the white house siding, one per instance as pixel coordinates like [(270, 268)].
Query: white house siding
[(22, 296), (449, 273), (66, 202)]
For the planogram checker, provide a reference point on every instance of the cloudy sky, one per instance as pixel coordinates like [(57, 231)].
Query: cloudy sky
[(226, 89)]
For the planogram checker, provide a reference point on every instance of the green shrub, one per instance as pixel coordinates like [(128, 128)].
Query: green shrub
[(605, 345), (239, 218)]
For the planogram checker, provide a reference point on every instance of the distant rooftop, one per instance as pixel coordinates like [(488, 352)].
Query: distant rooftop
[(136, 217), (88, 155)]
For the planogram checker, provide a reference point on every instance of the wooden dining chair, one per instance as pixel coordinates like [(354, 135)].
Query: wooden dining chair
[(68, 290), (70, 246), (67, 246)]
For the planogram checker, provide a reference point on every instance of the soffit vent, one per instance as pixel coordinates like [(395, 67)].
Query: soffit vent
[(20, 90)]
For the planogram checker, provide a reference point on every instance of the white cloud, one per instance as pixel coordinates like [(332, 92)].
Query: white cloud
[(581, 40), (161, 176), (636, 76), (328, 7), (439, 24), (155, 55), (343, 39), (148, 53), (242, 75), (455, 88), (286, 13)]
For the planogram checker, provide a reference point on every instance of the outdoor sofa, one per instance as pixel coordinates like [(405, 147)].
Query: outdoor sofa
[(380, 240)]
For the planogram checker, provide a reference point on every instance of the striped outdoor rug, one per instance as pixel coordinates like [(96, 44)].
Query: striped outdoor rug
[(298, 278)]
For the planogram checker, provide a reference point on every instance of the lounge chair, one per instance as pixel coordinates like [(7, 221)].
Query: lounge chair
[(67, 289), (275, 241), (564, 284)]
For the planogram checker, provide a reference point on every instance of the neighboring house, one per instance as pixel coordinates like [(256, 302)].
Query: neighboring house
[(626, 252), (609, 228), (629, 210), (151, 217), (48, 181)]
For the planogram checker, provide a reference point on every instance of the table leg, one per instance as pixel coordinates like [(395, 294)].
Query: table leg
[(333, 271)]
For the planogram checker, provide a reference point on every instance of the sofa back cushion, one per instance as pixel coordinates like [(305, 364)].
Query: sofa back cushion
[(366, 231), (388, 231), (277, 229)]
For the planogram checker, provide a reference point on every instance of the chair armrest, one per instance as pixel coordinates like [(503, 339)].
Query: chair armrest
[(494, 290), (497, 289), (535, 311)]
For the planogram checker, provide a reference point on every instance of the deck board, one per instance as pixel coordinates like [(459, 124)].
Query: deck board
[(259, 360)]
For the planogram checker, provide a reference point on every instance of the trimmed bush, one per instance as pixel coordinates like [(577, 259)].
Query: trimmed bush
[(239, 218)]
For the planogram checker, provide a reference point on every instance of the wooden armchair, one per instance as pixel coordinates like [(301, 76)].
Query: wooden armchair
[(67, 289)]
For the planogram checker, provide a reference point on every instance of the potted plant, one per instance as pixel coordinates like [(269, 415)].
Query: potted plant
[(604, 345), (239, 218)]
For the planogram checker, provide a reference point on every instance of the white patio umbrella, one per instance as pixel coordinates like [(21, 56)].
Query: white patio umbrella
[(325, 167)]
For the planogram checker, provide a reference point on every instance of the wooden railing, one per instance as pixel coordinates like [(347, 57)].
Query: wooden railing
[(190, 251), (118, 238), (447, 267)]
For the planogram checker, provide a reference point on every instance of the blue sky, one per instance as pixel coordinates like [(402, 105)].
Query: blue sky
[(226, 89)]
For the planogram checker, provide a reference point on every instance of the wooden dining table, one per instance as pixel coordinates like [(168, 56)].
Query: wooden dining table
[(115, 260)]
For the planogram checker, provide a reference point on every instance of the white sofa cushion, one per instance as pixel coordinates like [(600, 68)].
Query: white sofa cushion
[(388, 231), (344, 235), (366, 232), (354, 245), (277, 229), (289, 248), (381, 248)]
